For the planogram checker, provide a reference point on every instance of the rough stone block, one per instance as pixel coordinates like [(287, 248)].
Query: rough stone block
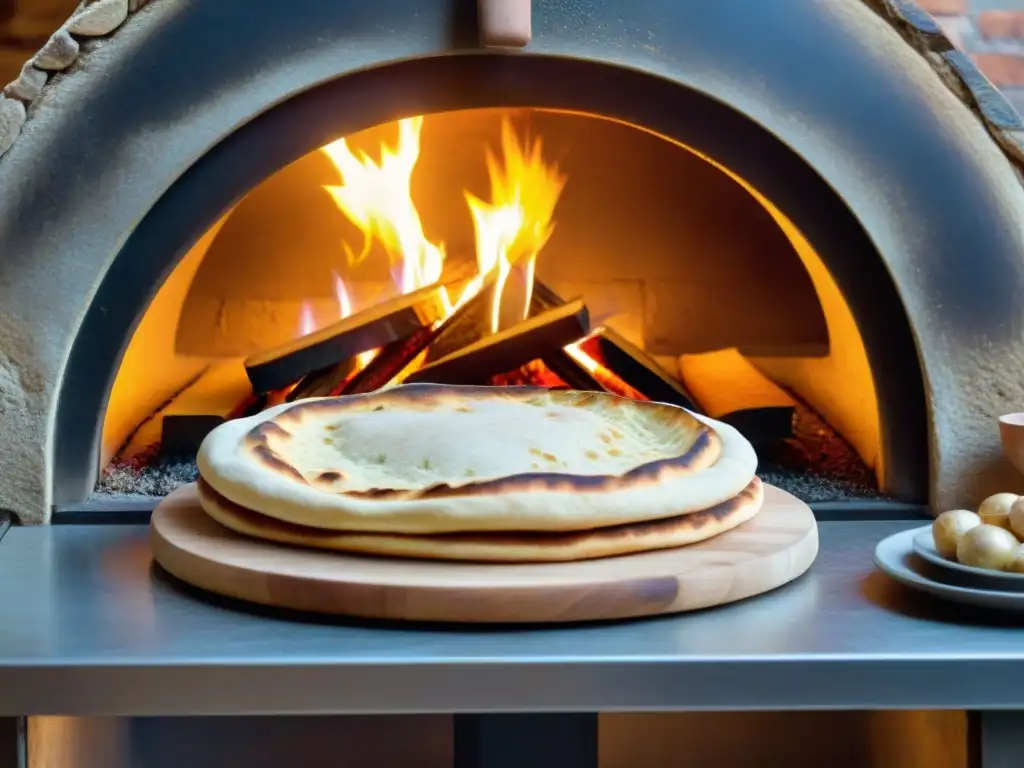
[(99, 18), (12, 118), (28, 85), (59, 52)]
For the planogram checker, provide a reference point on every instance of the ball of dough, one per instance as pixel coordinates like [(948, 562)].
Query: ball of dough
[(1017, 566), (995, 510), (988, 546), (1016, 518), (949, 527)]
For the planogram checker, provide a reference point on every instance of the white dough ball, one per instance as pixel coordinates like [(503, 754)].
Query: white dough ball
[(988, 546), (995, 510), (1017, 566), (1016, 518), (949, 527)]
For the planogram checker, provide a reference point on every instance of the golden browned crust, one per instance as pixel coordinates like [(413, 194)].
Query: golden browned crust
[(673, 462), (263, 439), (503, 546)]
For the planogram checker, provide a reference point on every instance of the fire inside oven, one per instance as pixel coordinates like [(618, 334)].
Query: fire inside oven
[(503, 247)]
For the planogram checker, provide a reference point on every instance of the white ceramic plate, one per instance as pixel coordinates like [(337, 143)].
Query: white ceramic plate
[(896, 557), (924, 545)]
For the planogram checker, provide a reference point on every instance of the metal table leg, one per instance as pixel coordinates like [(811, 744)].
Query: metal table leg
[(534, 741), (997, 739), (12, 742)]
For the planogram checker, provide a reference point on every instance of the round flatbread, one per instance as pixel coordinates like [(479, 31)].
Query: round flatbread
[(426, 458), (499, 547)]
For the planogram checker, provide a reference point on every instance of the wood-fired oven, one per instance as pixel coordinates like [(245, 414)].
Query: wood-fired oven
[(810, 210)]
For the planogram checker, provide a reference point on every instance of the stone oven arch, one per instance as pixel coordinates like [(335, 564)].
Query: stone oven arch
[(825, 108)]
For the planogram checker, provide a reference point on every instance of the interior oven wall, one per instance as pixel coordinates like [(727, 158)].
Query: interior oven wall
[(644, 230)]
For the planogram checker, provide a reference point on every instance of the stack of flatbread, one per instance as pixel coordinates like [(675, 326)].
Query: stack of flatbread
[(498, 474)]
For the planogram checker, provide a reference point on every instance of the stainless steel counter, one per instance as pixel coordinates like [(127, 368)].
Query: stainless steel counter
[(88, 626)]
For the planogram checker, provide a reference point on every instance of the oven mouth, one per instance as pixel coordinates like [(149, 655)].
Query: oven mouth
[(223, 176)]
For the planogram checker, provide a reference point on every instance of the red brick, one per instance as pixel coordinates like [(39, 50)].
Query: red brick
[(1003, 69), (1001, 24), (944, 7)]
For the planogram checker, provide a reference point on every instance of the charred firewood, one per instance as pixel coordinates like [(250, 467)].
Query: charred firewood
[(373, 327), (473, 324), (396, 357), (543, 298), (626, 363), (392, 359), (569, 370), (509, 349), (620, 358), (324, 382), (612, 351)]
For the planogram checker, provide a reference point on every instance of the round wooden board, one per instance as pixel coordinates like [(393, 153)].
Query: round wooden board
[(773, 548)]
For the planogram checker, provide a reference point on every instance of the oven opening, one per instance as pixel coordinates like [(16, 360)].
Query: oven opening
[(503, 247)]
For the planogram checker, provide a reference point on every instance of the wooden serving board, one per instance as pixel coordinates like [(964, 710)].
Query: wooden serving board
[(773, 548)]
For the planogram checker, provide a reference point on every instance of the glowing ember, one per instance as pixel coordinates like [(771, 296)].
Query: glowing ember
[(602, 375)]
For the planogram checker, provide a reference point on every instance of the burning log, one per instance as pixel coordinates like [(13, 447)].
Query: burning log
[(369, 329), (617, 356), (395, 358), (472, 324), (543, 298), (571, 371), (483, 320), (615, 353), (387, 365), (506, 350), (332, 381), (323, 382)]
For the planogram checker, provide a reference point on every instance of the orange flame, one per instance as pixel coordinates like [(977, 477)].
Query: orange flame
[(512, 229), (377, 198), (344, 310), (307, 319), (610, 381), (341, 293), (308, 323)]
